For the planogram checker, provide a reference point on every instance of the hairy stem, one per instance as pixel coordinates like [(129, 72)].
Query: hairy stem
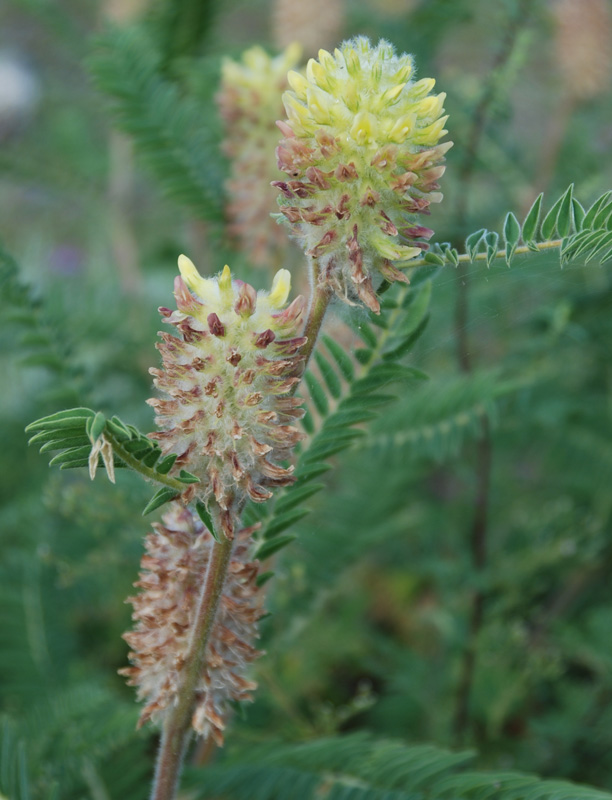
[(321, 297), (177, 728)]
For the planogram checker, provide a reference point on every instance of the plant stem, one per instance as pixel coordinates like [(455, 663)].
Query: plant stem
[(319, 304), (177, 728)]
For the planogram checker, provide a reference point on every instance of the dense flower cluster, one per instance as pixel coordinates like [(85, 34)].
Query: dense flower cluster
[(172, 572), (362, 154), (226, 377), (249, 103)]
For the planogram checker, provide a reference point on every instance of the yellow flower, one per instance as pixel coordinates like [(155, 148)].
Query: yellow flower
[(362, 154)]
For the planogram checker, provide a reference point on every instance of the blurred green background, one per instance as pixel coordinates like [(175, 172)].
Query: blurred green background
[(401, 609)]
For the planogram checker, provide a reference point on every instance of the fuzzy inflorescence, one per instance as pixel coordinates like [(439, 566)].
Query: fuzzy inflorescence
[(227, 414), (249, 102), (362, 154), (172, 572)]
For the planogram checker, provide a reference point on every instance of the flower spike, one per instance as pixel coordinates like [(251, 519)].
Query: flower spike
[(224, 378), (362, 155)]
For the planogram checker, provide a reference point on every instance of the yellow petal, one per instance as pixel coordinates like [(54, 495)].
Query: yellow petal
[(421, 88), (225, 280), (402, 128), (364, 128), (281, 286), (390, 95), (205, 289), (298, 83)]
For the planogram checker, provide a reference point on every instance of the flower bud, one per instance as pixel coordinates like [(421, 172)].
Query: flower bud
[(361, 149)]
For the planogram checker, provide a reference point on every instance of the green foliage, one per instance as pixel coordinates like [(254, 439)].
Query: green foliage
[(40, 344), (75, 430), (356, 391), (172, 132), (361, 768), (584, 236)]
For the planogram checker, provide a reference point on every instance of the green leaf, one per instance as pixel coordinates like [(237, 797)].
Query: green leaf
[(317, 393), (530, 225), (579, 213), (162, 496), (491, 242), (118, 429), (262, 579), (151, 458), (166, 464), (62, 419), (603, 217), (308, 422), (63, 444), (410, 340), (329, 376), (272, 546), (473, 241), (595, 209), (342, 359), (138, 447), (363, 330), (342, 419), (96, 427), (71, 455), (363, 355), (187, 477), (565, 217), (204, 514), (309, 473), (295, 495), (434, 258), (512, 235), (57, 435), (280, 522), (551, 220)]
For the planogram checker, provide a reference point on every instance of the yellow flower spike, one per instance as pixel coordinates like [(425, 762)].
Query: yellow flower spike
[(281, 286), (357, 167)]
